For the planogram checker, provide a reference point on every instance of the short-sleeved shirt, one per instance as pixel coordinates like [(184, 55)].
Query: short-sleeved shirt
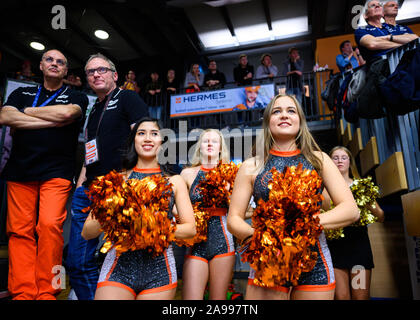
[(373, 31), (125, 107), (43, 154), (397, 29)]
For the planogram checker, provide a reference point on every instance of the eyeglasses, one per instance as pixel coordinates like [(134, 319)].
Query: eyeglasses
[(60, 62), (375, 5), (343, 158), (100, 70)]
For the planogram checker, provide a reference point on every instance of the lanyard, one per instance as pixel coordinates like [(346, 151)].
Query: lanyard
[(34, 104), (100, 119)]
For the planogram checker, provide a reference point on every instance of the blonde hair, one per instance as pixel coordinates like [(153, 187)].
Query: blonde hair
[(354, 173), (103, 57), (224, 154), (304, 140)]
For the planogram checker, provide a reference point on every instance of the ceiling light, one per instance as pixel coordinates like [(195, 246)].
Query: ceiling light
[(37, 45), (101, 34)]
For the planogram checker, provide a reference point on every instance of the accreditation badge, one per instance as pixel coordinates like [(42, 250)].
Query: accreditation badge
[(91, 154)]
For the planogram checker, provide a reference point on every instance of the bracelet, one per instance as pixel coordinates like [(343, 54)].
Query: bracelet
[(391, 37)]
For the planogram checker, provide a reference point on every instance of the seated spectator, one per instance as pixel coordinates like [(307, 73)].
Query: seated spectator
[(26, 72), (349, 58), (293, 69), (266, 69), (214, 79), (390, 9), (154, 98), (374, 39), (244, 72), (130, 82), (194, 79)]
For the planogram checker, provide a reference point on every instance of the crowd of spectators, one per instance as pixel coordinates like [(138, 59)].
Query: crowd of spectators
[(381, 33)]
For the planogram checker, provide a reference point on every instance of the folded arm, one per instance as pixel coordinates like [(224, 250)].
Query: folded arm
[(378, 43), (12, 117), (56, 113), (404, 38)]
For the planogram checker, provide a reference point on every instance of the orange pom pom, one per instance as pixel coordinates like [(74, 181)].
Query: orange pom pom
[(133, 214), (216, 190), (285, 228)]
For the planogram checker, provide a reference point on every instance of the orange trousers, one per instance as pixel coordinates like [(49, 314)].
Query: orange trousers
[(35, 218)]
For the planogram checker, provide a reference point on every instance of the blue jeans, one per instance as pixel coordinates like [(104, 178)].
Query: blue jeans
[(155, 112), (81, 263)]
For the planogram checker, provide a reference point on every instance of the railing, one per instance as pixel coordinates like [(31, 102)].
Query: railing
[(315, 109), (396, 132)]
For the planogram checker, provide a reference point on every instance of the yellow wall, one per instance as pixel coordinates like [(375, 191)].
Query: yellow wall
[(328, 48)]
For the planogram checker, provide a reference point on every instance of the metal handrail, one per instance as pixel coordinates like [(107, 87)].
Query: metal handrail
[(397, 132)]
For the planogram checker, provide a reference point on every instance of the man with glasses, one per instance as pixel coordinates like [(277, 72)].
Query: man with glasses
[(46, 121), (401, 34), (107, 128), (374, 39)]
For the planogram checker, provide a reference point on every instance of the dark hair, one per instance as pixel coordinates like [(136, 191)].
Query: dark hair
[(343, 43), (292, 49), (130, 156)]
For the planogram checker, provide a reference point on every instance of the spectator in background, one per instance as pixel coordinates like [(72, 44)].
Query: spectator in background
[(214, 79), (170, 87), (390, 9), (293, 69), (266, 69), (154, 96), (26, 72), (194, 79), (130, 82), (349, 58), (244, 72), (171, 83), (73, 81), (374, 39)]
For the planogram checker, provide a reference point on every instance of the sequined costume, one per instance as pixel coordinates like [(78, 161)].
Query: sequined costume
[(219, 240), (137, 271), (321, 278)]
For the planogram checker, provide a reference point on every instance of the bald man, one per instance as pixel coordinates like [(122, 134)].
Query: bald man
[(46, 121)]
